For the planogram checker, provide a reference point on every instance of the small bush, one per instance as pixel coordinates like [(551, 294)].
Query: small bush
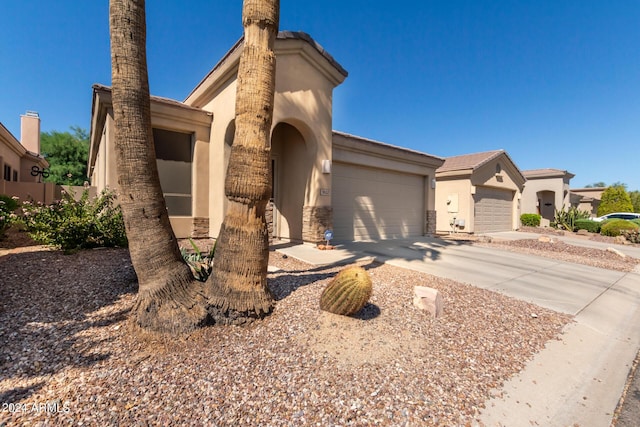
[(587, 224), (530, 220), (7, 216), (615, 227), (72, 225)]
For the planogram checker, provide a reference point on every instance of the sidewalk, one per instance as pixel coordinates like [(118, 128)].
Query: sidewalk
[(577, 380)]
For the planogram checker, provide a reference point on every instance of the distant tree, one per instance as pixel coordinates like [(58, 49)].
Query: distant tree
[(635, 200), (614, 199), (67, 154), (619, 184), (596, 184)]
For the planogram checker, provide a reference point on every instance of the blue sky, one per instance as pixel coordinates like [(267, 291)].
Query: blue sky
[(554, 83)]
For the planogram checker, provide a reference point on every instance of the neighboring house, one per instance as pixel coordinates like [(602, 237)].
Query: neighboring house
[(478, 193), (587, 199), (17, 158), (362, 189), (546, 191)]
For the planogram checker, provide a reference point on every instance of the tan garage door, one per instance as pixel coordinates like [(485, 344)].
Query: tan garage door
[(493, 210), (372, 204)]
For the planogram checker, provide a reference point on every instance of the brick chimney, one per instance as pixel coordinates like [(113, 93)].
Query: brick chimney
[(30, 131)]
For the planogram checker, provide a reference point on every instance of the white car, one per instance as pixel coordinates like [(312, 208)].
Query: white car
[(618, 215)]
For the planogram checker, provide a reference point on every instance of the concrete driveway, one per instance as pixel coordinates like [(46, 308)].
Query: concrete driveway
[(575, 380)]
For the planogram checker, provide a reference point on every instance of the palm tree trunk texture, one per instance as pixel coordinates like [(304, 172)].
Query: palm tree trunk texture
[(169, 298), (237, 290)]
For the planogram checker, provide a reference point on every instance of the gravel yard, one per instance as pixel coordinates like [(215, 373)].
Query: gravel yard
[(70, 357)]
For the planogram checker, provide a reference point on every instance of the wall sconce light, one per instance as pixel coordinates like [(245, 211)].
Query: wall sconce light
[(326, 166), (433, 183)]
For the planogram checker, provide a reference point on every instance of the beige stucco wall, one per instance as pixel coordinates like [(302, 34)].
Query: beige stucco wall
[(591, 200), (167, 115), (30, 132), (45, 192), (558, 185), (453, 199), (18, 158), (8, 157), (303, 99), (221, 103), (461, 185)]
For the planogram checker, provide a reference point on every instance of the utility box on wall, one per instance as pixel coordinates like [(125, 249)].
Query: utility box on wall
[(452, 203)]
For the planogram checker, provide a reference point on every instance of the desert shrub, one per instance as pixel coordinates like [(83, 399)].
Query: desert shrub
[(587, 224), (530, 220), (201, 264), (615, 227), (76, 224), (7, 215), (565, 219)]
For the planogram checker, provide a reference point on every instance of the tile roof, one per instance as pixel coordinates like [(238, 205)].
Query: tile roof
[(469, 161), (160, 99), (545, 173), (384, 144), (282, 35)]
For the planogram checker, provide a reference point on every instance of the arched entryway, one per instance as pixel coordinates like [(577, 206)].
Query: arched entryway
[(546, 204), (290, 173)]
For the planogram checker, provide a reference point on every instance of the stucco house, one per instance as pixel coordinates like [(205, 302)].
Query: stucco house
[(545, 191), (478, 193), (17, 159), (587, 199), (322, 179)]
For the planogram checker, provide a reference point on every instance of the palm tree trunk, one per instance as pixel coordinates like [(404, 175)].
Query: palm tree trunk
[(237, 290), (169, 299)]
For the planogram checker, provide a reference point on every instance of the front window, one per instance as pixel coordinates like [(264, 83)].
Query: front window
[(174, 154)]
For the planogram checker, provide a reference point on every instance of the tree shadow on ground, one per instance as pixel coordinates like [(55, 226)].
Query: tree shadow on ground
[(49, 302), (420, 248)]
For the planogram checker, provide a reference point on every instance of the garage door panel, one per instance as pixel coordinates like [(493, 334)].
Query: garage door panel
[(493, 210), (376, 204)]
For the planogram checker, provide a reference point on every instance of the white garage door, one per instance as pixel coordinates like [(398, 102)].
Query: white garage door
[(493, 210), (372, 204)]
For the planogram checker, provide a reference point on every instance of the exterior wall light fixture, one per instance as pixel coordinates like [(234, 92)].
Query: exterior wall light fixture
[(326, 166)]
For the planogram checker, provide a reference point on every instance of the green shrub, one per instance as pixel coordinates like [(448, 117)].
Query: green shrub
[(615, 227), (7, 215), (530, 220), (76, 224), (587, 224)]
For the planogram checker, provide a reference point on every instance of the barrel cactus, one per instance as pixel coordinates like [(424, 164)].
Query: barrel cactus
[(348, 292)]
